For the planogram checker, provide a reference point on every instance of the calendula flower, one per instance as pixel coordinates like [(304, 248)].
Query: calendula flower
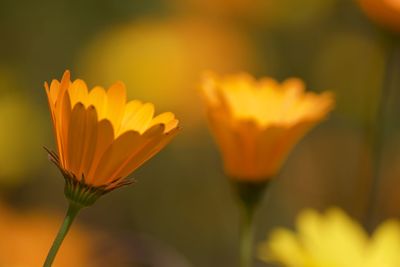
[(101, 139), (332, 239), (257, 123), (383, 12)]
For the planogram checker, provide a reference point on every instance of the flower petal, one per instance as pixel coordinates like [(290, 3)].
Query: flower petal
[(116, 155), (140, 120), (130, 110), (78, 92), (155, 141), (90, 141), (98, 98), (116, 96), (105, 137), (76, 142)]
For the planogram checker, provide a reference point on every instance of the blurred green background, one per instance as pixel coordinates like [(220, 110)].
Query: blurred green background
[(181, 211)]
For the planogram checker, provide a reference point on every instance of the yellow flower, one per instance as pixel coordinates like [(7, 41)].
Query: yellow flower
[(257, 123), (384, 12), (333, 240), (101, 139)]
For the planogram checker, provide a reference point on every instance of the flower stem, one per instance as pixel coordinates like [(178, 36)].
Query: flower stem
[(246, 236), (249, 195), (72, 211), (379, 126)]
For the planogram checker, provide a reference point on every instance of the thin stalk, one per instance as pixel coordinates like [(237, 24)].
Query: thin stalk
[(72, 211), (249, 195), (246, 236), (379, 127)]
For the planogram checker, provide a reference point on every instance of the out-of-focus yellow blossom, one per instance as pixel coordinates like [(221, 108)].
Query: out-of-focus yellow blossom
[(160, 60), (18, 160), (333, 239), (257, 123), (384, 12), (17, 152)]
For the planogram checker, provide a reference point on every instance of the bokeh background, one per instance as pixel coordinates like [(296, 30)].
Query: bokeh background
[(181, 212)]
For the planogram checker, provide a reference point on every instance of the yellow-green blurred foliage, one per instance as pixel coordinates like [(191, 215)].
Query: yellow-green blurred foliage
[(22, 121)]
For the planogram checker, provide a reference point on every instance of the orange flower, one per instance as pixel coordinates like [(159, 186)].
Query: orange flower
[(101, 139), (257, 123), (384, 12), (25, 238)]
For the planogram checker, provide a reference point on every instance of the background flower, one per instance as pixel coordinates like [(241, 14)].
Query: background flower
[(26, 237), (384, 12), (256, 123), (332, 239)]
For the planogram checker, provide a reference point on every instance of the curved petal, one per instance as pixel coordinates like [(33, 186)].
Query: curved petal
[(116, 155), (140, 120), (75, 141), (90, 141), (116, 96), (166, 118), (130, 110), (98, 99), (105, 137), (64, 127), (78, 92), (155, 141)]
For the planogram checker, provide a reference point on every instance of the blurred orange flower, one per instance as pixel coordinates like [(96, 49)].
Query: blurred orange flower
[(101, 139), (384, 12), (257, 123), (25, 239)]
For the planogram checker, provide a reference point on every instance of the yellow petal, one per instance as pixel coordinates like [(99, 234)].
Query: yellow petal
[(116, 96), (167, 119), (98, 98), (284, 248), (385, 245), (64, 84), (78, 92), (76, 132), (63, 127), (55, 124), (130, 109), (90, 141), (52, 96), (54, 90), (116, 155), (105, 137), (58, 114), (170, 126), (155, 140), (140, 120)]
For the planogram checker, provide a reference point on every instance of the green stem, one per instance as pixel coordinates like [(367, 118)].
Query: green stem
[(72, 211), (249, 195), (378, 128), (246, 236)]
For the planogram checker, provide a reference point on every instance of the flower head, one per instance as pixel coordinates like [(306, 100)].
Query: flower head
[(383, 12), (256, 123), (333, 239), (100, 138)]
